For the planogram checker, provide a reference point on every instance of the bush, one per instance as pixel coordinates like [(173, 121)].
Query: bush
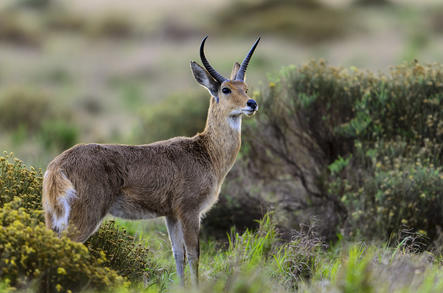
[(14, 28), (178, 115), (26, 107), (288, 18), (17, 180), (40, 4), (124, 253), (58, 134), (115, 25), (320, 133), (399, 191)]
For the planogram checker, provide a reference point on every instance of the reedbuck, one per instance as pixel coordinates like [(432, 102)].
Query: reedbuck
[(179, 178)]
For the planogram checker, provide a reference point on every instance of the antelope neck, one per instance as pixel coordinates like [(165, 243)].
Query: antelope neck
[(223, 141)]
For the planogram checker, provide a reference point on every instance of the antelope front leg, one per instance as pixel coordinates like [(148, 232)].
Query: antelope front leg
[(176, 236), (191, 229)]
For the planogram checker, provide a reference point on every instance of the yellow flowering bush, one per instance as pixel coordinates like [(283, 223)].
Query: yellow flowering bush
[(124, 253), (29, 251), (17, 180)]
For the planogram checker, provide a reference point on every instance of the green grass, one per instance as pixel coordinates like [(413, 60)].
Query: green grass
[(259, 261)]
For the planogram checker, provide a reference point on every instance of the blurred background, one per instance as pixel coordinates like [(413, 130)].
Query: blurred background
[(118, 71)]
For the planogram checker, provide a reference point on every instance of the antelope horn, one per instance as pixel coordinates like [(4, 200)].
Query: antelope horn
[(208, 67), (244, 64)]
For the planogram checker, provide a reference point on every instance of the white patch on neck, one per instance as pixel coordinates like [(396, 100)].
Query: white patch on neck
[(235, 122)]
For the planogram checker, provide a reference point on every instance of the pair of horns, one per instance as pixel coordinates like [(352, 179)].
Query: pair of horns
[(241, 72)]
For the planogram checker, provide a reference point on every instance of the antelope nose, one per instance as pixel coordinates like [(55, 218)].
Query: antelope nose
[(251, 103)]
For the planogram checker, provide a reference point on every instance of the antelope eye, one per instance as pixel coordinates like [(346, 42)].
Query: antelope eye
[(225, 90)]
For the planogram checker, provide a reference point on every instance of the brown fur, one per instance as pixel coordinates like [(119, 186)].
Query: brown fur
[(179, 178)]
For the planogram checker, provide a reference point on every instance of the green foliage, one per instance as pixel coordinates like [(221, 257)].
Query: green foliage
[(369, 145), (35, 3), (253, 247), (27, 107), (398, 191), (287, 18), (124, 253), (354, 276), (15, 29), (29, 113), (178, 115), (339, 164), (115, 25), (58, 134)]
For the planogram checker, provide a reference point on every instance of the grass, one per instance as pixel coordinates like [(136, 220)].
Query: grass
[(259, 261)]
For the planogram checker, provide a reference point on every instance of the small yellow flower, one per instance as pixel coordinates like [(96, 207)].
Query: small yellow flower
[(61, 271), (422, 232), (404, 221), (58, 287)]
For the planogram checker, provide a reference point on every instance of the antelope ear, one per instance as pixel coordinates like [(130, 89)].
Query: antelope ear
[(235, 70), (205, 79)]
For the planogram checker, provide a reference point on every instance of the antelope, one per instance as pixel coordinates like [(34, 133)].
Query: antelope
[(179, 178)]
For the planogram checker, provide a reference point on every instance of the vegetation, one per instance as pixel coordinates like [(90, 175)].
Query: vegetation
[(364, 150), (192, 108), (294, 19)]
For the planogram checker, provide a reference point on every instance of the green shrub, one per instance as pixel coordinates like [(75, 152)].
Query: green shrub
[(285, 17), (398, 192), (16, 29), (40, 4), (58, 134), (178, 115), (321, 131), (115, 24), (26, 107), (61, 19), (124, 253)]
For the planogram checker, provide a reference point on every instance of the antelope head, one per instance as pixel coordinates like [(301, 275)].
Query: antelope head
[(230, 98)]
